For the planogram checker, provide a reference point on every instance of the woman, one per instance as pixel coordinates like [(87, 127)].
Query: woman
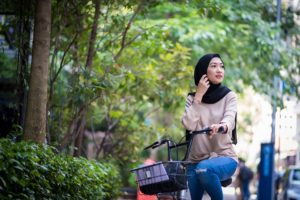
[(212, 156)]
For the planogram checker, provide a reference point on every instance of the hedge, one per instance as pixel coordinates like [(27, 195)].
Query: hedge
[(33, 171)]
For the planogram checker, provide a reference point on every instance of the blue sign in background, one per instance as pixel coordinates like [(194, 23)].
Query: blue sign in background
[(266, 169)]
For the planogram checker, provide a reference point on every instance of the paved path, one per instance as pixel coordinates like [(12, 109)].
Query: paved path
[(229, 194)]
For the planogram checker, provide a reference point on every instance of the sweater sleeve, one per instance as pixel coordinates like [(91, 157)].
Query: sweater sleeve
[(191, 115), (230, 111)]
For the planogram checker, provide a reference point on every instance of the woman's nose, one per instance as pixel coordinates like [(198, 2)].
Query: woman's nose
[(219, 68)]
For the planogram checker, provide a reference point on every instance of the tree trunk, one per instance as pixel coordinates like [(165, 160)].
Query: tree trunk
[(91, 50), (24, 30), (35, 122), (88, 66)]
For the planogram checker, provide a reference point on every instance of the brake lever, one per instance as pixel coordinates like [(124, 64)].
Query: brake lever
[(156, 144), (220, 130), (161, 142), (151, 145), (207, 130)]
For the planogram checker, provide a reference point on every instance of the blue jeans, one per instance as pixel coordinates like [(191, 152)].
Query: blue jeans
[(245, 190), (207, 174)]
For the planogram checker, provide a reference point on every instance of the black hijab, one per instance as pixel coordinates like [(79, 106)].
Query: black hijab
[(215, 92)]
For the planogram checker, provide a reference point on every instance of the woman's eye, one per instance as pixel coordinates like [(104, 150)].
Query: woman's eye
[(216, 65)]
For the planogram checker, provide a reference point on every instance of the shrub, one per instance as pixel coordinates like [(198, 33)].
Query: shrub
[(32, 171)]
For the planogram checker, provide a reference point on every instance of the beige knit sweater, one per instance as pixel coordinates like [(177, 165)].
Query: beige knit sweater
[(201, 115)]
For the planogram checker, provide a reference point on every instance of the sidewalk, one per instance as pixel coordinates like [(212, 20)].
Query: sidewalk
[(229, 194)]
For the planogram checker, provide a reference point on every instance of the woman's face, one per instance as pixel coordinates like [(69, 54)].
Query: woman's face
[(215, 71)]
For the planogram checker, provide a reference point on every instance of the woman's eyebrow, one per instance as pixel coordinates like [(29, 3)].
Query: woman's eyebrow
[(216, 63)]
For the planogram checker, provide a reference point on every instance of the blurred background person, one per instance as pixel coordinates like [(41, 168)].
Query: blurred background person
[(245, 176)]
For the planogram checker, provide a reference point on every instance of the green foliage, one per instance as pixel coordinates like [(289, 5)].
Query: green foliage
[(7, 66), (31, 171), (243, 32), (137, 91), (143, 65)]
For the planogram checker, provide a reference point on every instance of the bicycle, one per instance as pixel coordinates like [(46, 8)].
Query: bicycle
[(168, 178)]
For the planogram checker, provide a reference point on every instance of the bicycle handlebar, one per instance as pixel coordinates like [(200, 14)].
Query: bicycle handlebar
[(157, 144), (163, 141), (151, 145), (207, 130), (188, 142)]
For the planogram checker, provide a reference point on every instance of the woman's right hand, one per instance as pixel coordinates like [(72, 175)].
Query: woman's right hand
[(202, 87)]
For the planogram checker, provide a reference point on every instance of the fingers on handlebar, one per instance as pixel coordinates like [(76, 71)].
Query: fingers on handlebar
[(214, 129), (221, 130)]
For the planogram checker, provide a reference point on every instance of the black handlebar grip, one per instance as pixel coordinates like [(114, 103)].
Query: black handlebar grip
[(221, 130)]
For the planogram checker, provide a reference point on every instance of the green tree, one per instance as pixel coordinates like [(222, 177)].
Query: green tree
[(133, 82)]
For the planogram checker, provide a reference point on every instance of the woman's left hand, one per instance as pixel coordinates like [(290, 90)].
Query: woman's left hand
[(215, 129)]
